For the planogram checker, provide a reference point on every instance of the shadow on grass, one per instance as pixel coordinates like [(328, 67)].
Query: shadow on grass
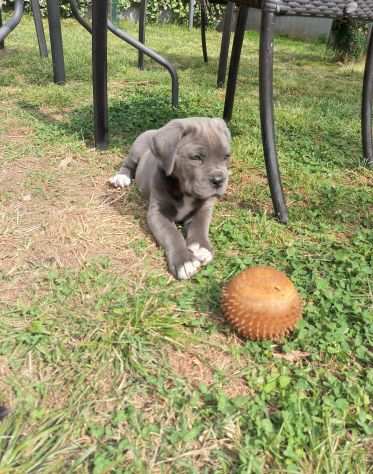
[(339, 205), (27, 67), (139, 111)]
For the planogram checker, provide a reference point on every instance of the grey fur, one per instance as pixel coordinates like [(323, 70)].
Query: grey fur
[(182, 170)]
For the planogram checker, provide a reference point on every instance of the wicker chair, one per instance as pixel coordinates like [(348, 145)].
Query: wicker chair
[(361, 9)]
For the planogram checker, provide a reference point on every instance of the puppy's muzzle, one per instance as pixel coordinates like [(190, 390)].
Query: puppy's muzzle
[(217, 180)]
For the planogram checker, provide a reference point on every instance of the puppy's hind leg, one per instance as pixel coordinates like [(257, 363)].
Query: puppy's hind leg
[(128, 169)]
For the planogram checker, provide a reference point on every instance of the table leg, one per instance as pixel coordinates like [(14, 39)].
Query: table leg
[(235, 61), (54, 21), (99, 72), (225, 40), (203, 29), (43, 50), (191, 13), (2, 43), (366, 107), (266, 115), (12, 22), (142, 18), (114, 11)]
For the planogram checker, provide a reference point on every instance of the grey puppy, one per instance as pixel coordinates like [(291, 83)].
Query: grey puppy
[(182, 170)]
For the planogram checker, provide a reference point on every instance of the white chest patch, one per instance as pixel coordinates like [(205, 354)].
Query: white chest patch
[(189, 204)]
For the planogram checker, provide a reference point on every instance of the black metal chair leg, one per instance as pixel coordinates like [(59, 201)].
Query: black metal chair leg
[(43, 50), (2, 43), (203, 29), (266, 116), (366, 107), (114, 11), (235, 61), (54, 21), (99, 72), (13, 21), (142, 18), (152, 54), (191, 14), (225, 40), (136, 44)]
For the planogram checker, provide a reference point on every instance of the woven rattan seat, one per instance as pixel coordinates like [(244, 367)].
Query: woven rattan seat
[(315, 8)]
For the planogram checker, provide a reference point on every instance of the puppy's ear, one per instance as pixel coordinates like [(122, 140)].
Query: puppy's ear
[(220, 123), (165, 142)]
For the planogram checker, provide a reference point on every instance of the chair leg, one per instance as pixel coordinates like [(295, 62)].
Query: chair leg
[(114, 11), (54, 22), (2, 44), (191, 14), (203, 29), (225, 40), (43, 50), (142, 18), (366, 107), (99, 72), (235, 61), (13, 21), (266, 115)]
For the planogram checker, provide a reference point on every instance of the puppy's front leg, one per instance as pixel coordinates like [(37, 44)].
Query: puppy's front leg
[(127, 171), (181, 261), (198, 233)]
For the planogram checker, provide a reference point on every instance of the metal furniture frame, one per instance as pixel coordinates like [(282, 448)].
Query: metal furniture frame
[(203, 10), (362, 10), (54, 31), (226, 35), (100, 24), (54, 22), (98, 30), (7, 27), (36, 14)]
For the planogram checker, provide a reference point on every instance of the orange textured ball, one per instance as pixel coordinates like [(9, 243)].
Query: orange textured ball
[(262, 303)]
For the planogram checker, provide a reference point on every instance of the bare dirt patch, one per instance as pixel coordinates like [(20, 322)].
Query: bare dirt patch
[(60, 211), (53, 115), (200, 365), (18, 134), (12, 129)]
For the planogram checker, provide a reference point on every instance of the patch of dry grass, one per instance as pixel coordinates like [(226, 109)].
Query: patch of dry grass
[(60, 211)]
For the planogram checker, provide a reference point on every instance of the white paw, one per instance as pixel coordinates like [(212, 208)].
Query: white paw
[(201, 253), (120, 181), (188, 269)]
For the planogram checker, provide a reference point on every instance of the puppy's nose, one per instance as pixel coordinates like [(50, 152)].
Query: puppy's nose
[(217, 180)]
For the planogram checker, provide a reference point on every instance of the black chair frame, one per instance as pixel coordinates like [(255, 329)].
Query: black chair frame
[(269, 10), (100, 25), (54, 22)]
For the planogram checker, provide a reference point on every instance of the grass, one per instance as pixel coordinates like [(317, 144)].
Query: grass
[(109, 365)]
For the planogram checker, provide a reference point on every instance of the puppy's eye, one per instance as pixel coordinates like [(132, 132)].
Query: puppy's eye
[(227, 156), (196, 157)]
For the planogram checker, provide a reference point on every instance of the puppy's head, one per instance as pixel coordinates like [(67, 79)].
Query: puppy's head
[(197, 152)]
